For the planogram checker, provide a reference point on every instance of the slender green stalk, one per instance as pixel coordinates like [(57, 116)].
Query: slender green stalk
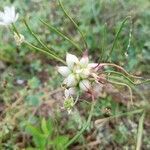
[(116, 37), (132, 82), (140, 132), (45, 52), (137, 111), (83, 128), (120, 68), (61, 5), (15, 29), (61, 34), (37, 38)]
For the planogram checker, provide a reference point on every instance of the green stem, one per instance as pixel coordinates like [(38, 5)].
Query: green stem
[(116, 37), (37, 38), (83, 128), (126, 114), (140, 131), (61, 5), (46, 52), (15, 29), (132, 82), (61, 34)]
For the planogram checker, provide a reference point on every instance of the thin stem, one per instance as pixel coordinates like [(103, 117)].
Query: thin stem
[(61, 34), (140, 132), (116, 37), (46, 52), (37, 38), (83, 128), (119, 115), (15, 29), (61, 5), (132, 82), (119, 67)]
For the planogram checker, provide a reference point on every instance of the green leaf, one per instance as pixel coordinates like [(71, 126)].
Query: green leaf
[(60, 141), (44, 127), (34, 83), (38, 138)]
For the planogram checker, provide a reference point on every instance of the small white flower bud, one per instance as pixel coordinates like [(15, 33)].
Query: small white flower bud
[(71, 60), (71, 80), (64, 71), (19, 38), (84, 61), (85, 85)]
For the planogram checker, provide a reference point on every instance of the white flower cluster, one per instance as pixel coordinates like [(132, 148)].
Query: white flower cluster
[(77, 74), (9, 16)]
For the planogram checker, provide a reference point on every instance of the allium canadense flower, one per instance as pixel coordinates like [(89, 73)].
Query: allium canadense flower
[(77, 76), (9, 16)]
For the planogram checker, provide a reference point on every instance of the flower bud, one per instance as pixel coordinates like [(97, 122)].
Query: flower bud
[(71, 60), (68, 103), (64, 71), (85, 85), (71, 80), (18, 38)]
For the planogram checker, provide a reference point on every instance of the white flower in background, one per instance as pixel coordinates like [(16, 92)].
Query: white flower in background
[(9, 16), (19, 38), (77, 72)]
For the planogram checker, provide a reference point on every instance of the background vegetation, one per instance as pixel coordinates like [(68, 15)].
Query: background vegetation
[(30, 98)]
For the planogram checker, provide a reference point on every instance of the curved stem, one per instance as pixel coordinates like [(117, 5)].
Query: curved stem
[(46, 52), (132, 82), (61, 5), (119, 67), (83, 128)]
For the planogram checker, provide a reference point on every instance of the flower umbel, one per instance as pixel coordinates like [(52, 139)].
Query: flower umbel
[(77, 75), (9, 16), (77, 72)]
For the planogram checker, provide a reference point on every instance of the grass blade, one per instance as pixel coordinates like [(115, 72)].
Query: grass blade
[(140, 132), (46, 52), (116, 37), (61, 5)]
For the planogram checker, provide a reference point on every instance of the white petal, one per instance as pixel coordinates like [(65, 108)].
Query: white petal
[(71, 80), (85, 73), (71, 60), (64, 71), (1, 15), (84, 61), (93, 65), (8, 16), (72, 91), (69, 92), (16, 17), (85, 85)]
